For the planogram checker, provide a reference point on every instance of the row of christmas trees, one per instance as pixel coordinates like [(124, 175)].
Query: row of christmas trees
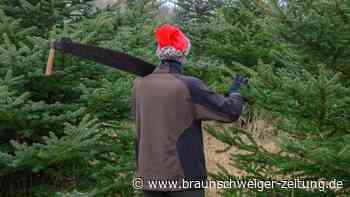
[(71, 132)]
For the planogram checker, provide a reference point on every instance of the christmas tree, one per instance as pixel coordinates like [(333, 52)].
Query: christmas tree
[(44, 14), (68, 133), (303, 92)]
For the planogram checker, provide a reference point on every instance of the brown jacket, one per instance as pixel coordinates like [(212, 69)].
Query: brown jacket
[(168, 109)]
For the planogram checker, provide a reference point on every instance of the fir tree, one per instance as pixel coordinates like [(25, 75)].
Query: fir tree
[(317, 30), (305, 98), (44, 14), (196, 10), (194, 18), (47, 143)]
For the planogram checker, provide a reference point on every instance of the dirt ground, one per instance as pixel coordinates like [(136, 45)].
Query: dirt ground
[(263, 133), (213, 158)]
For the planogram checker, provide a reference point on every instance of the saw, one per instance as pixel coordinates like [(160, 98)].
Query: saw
[(112, 58)]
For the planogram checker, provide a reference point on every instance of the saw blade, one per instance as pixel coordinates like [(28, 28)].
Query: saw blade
[(112, 58)]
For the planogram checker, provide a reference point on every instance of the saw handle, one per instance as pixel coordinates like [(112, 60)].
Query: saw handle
[(50, 62)]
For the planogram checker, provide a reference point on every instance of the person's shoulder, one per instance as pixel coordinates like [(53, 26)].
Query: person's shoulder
[(190, 81), (137, 80)]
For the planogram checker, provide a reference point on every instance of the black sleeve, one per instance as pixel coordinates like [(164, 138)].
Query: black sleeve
[(210, 105)]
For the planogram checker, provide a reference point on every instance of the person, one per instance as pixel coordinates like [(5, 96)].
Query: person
[(169, 108)]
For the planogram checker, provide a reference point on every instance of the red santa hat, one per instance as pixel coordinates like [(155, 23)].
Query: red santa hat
[(172, 43)]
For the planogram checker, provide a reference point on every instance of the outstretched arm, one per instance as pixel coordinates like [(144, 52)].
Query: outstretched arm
[(210, 105)]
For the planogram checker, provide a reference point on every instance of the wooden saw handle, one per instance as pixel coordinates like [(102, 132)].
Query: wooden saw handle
[(50, 62)]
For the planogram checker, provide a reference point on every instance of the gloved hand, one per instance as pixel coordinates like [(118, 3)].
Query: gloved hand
[(237, 84)]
